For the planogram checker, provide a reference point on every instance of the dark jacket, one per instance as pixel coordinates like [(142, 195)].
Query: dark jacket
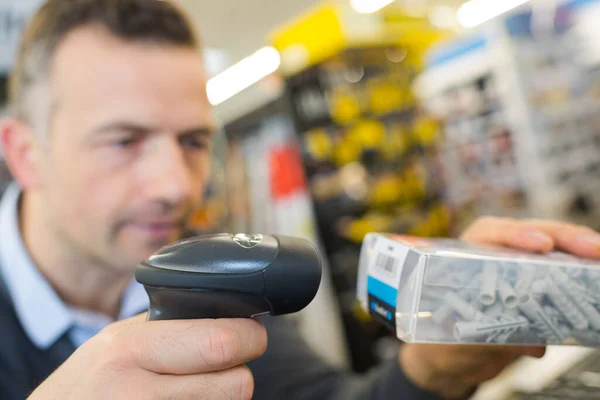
[(289, 369)]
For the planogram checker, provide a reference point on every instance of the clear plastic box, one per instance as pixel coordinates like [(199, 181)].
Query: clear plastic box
[(448, 291)]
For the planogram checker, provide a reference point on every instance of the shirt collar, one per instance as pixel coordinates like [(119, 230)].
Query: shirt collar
[(42, 313), (135, 300)]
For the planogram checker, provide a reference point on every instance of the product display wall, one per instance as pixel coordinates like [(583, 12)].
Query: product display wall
[(372, 164), (520, 112)]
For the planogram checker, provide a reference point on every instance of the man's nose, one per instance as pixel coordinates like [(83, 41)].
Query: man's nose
[(171, 177)]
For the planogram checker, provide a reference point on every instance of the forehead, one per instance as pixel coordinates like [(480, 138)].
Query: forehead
[(96, 73)]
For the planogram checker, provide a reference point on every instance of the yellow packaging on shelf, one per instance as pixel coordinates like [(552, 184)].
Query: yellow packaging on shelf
[(359, 228), (385, 96), (388, 190), (344, 107), (333, 26), (368, 134), (426, 131), (397, 143), (346, 152), (319, 144)]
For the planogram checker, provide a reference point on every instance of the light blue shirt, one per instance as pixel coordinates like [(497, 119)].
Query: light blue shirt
[(42, 313)]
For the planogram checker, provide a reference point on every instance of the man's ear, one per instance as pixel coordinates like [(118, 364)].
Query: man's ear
[(22, 152)]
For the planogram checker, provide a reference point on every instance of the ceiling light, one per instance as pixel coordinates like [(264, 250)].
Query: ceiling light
[(243, 75), (415, 8), (369, 6), (476, 12), (443, 17), (215, 60)]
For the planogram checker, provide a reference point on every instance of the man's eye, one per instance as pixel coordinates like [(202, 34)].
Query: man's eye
[(126, 141), (194, 142)]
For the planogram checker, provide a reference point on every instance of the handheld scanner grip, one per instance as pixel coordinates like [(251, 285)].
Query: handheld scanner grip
[(231, 276)]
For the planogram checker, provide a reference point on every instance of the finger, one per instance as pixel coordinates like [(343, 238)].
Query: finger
[(481, 372), (535, 235), (188, 346), (482, 350), (136, 319), (236, 383), (579, 240), (509, 232), (535, 352), (462, 356), (456, 357)]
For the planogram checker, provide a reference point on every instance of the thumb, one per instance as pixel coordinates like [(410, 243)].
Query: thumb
[(137, 319), (536, 352)]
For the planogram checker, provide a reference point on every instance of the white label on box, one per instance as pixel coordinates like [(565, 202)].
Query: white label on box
[(387, 261)]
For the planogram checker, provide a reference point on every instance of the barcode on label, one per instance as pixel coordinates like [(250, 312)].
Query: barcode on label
[(387, 264)]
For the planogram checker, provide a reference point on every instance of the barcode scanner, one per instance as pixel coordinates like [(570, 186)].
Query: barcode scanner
[(230, 276)]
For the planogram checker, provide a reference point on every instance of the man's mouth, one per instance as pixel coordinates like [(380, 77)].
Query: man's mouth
[(158, 230)]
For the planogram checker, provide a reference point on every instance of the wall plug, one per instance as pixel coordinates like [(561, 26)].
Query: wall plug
[(467, 311), (441, 315), (578, 297), (525, 279), (437, 272), (508, 296), (471, 292), (496, 310), (555, 316), (591, 296), (511, 312), (497, 331), (532, 309), (511, 273), (563, 303), (594, 279), (565, 331), (489, 282), (575, 273)]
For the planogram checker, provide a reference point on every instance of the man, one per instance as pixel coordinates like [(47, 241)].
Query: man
[(109, 145)]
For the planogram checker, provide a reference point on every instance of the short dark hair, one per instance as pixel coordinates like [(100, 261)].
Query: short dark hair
[(149, 21)]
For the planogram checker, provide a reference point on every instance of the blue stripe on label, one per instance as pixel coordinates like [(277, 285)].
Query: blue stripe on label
[(580, 3), (458, 48), (382, 291)]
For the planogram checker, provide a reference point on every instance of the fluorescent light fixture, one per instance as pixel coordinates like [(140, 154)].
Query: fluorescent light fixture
[(369, 6), (215, 60), (243, 75), (443, 17), (476, 12)]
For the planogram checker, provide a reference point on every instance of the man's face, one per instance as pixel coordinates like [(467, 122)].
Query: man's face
[(128, 146)]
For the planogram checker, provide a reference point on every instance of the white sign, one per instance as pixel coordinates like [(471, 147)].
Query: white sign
[(14, 15)]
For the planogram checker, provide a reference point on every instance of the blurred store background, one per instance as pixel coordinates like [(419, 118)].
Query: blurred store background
[(345, 117)]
